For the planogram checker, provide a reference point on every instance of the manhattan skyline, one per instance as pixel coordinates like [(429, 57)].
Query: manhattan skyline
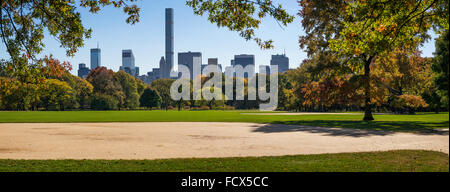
[(191, 32)]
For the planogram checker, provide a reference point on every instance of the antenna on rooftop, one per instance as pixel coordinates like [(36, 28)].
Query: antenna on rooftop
[(98, 45)]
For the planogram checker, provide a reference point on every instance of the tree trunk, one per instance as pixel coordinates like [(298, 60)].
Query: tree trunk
[(368, 106)]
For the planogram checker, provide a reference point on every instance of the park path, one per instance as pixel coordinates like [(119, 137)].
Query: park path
[(196, 139)]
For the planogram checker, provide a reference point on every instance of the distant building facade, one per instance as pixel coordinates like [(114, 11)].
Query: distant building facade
[(214, 65), (128, 63), (281, 61), (244, 60), (83, 71), (96, 60), (187, 59)]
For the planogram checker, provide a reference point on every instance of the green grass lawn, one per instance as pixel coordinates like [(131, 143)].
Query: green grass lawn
[(421, 122), (390, 161)]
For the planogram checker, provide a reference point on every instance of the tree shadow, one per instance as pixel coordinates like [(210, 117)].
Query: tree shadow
[(355, 128)]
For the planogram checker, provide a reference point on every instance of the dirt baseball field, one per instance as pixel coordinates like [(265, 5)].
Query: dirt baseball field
[(196, 139)]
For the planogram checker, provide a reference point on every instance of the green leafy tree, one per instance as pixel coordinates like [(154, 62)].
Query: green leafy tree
[(285, 93), (140, 86), (81, 89), (16, 95), (56, 95), (242, 16), (163, 88), (129, 88), (441, 67), (150, 98), (213, 103), (101, 101), (23, 23)]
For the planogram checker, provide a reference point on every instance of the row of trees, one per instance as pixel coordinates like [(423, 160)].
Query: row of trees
[(401, 82), (361, 54), (57, 89)]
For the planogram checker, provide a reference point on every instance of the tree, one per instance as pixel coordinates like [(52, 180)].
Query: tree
[(129, 88), (56, 94), (163, 88), (101, 101), (241, 16), (81, 89), (441, 67), (358, 32), (150, 98), (213, 103), (104, 82), (285, 93), (23, 23)]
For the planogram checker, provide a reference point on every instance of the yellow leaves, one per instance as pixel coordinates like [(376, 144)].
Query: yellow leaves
[(357, 51), (381, 28)]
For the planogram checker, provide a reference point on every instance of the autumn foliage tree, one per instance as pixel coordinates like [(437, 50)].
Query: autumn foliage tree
[(358, 32)]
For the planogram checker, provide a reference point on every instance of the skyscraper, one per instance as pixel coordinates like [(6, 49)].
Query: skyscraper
[(83, 71), (187, 59), (169, 44), (244, 60), (214, 63), (95, 58), (128, 64), (162, 67), (282, 61)]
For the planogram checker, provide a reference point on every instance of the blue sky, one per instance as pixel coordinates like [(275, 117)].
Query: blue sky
[(192, 33)]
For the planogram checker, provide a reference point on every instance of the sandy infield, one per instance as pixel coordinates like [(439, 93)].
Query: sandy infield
[(181, 140)]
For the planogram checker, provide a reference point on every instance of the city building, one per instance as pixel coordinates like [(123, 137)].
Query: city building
[(213, 61), (245, 60), (187, 59), (169, 44), (83, 71), (96, 58), (162, 67), (128, 64), (281, 61), (215, 65)]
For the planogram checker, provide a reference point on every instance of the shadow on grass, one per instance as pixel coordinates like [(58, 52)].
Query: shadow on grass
[(355, 128)]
